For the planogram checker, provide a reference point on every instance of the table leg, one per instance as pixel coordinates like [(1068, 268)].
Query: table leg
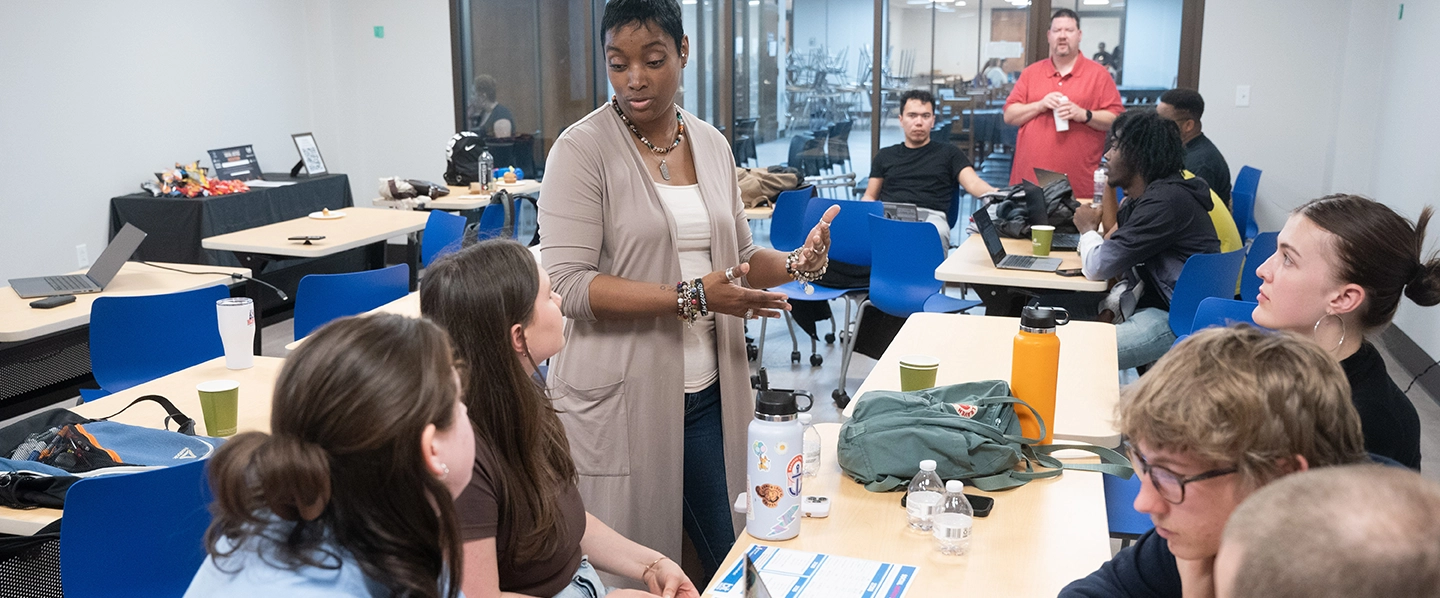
[(1001, 301), (412, 257)]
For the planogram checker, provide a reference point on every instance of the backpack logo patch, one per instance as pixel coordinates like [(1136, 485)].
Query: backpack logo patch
[(185, 453), (965, 410)]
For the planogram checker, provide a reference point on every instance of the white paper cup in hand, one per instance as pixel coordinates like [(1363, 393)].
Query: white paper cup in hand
[(237, 331)]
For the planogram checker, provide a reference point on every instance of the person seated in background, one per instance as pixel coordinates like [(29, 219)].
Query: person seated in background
[(919, 172), (1185, 106), (1339, 532), (1164, 220), (350, 494), (1341, 265), (1224, 413), (523, 522), (488, 116), (994, 74)]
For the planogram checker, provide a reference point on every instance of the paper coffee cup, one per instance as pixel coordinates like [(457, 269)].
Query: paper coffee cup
[(219, 404), (1041, 235), (917, 372)]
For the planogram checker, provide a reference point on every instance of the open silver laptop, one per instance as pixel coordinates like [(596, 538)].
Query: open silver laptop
[(93, 281), (991, 236)]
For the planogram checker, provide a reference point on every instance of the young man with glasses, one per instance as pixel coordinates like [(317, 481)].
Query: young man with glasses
[(1221, 415)]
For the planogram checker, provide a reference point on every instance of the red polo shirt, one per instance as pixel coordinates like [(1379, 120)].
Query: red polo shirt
[(1075, 152)]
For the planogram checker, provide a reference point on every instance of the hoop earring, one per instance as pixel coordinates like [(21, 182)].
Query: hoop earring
[(1316, 327)]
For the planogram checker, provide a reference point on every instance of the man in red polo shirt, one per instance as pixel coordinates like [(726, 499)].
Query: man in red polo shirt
[(1066, 91)]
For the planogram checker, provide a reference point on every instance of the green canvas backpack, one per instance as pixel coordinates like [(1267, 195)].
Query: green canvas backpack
[(970, 430)]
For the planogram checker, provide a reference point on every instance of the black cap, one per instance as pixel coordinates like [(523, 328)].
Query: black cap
[(1043, 317), (775, 403)]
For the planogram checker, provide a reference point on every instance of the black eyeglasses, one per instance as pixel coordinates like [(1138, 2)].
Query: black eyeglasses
[(1169, 484)]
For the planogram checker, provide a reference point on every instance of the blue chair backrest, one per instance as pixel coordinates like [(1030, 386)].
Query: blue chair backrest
[(1204, 275), (1214, 311), (787, 222), (902, 270), (1260, 250), (1120, 513), (135, 534), (1248, 180), (1242, 201), (850, 231), (443, 233), (952, 213), (138, 339), (325, 297)]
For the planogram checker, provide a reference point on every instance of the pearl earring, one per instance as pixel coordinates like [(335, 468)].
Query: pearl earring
[(444, 470)]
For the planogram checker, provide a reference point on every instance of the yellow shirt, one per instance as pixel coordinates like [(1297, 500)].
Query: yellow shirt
[(1223, 221)]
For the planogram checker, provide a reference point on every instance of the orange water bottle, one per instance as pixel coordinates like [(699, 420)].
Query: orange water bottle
[(1034, 367)]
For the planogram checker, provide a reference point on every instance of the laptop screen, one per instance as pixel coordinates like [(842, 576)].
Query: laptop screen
[(116, 253), (990, 235)]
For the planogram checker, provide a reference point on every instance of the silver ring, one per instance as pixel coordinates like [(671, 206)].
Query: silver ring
[(749, 314), (730, 274)]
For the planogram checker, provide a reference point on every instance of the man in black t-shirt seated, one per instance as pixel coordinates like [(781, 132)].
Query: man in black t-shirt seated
[(919, 172), (1185, 106)]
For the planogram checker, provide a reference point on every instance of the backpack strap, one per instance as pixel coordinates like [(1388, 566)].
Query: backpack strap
[(1112, 463), (889, 483), (183, 422)]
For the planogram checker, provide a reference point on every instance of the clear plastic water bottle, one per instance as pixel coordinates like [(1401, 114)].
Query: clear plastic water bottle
[(486, 176), (1101, 175), (953, 521), (812, 446), (924, 497)]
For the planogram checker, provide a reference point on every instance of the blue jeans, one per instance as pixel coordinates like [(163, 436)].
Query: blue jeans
[(707, 498), (1144, 337), (585, 583)]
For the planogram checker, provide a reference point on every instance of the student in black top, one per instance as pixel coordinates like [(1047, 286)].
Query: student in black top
[(1342, 263), (1224, 413), (1185, 106), (920, 172), (488, 116)]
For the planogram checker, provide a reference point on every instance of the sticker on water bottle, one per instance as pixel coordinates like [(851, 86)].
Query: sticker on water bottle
[(795, 472), (759, 449), (786, 520)]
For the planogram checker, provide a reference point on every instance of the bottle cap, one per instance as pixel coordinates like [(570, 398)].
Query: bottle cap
[(955, 486), (805, 418), (1042, 318), (777, 405), (927, 465)]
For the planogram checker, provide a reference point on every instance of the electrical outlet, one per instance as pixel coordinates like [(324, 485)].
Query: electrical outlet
[(82, 255), (1242, 95)]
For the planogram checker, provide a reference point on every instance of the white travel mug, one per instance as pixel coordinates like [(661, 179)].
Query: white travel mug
[(237, 331), (1061, 124)]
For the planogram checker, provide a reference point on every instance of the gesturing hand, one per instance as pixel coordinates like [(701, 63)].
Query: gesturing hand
[(815, 253), (726, 297)]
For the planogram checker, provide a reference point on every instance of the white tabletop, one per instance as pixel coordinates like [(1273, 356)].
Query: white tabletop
[(358, 228), (970, 263), (974, 348), (464, 200), (19, 321)]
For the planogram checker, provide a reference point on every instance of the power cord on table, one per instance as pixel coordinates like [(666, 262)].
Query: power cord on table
[(283, 296)]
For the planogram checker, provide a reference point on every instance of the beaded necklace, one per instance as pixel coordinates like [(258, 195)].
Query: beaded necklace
[(679, 136)]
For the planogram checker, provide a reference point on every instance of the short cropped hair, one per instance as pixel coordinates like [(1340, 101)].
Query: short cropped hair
[(1184, 100), (485, 86), (663, 13), (1067, 13), (1363, 530), (1150, 144), (916, 94), (1244, 398)]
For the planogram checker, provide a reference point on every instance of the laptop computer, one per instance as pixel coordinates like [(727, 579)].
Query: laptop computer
[(1039, 215), (905, 212), (1005, 261), (93, 281)]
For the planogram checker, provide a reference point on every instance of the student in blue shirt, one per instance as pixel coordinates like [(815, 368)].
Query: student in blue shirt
[(351, 492)]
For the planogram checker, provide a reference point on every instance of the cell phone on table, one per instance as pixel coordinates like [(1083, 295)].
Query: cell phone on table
[(1070, 272), (307, 238), (981, 505), (55, 301)]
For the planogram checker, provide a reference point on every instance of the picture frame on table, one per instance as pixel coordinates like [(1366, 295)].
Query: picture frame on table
[(309, 153)]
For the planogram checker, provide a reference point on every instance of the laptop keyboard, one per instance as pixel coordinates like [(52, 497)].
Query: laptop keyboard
[(67, 283), (1020, 261)]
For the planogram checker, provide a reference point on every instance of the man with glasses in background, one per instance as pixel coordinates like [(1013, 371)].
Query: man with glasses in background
[(1224, 413), (1185, 107)]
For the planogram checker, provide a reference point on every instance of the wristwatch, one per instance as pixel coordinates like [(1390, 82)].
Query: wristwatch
[(1089, 116)]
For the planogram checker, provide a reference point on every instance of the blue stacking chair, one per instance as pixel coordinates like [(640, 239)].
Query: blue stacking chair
[(1260, 250), (1125, 523), (1204, 275), (135, 534), (787, 222), (1242, 201), (1214, 311), (138, 339), (325, 297), (443, 234), (952, 214)]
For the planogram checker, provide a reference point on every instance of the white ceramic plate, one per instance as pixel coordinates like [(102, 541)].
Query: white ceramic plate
[(334, 215)]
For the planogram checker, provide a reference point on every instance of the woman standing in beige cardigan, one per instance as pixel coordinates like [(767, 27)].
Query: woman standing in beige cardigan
[(643, 233)]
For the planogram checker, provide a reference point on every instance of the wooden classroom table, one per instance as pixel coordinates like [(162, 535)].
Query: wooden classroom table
[(979, 348), (970, 264), (361, 227), (256, 386), (1039, 537), (465, 200)]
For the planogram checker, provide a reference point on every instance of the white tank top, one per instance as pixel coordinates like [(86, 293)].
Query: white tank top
[(692, 235)]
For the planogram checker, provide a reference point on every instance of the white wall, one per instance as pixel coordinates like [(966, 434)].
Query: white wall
[(97, 95)]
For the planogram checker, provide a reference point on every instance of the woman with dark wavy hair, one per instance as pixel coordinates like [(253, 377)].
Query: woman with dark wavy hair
[(350, 494), (524, 525)]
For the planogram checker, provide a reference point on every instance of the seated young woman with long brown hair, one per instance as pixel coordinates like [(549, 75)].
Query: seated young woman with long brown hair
[(523, 522), (350, 494)]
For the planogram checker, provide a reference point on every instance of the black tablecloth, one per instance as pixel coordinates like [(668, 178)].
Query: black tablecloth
[(175, 225)]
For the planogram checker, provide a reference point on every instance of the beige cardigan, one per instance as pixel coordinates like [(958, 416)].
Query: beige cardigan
[(620, 383)]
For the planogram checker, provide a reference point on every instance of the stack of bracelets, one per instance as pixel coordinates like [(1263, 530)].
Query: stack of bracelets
[(690, 300), (801, 276)]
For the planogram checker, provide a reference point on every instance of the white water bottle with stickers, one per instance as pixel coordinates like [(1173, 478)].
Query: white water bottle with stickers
[(776, 467)]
